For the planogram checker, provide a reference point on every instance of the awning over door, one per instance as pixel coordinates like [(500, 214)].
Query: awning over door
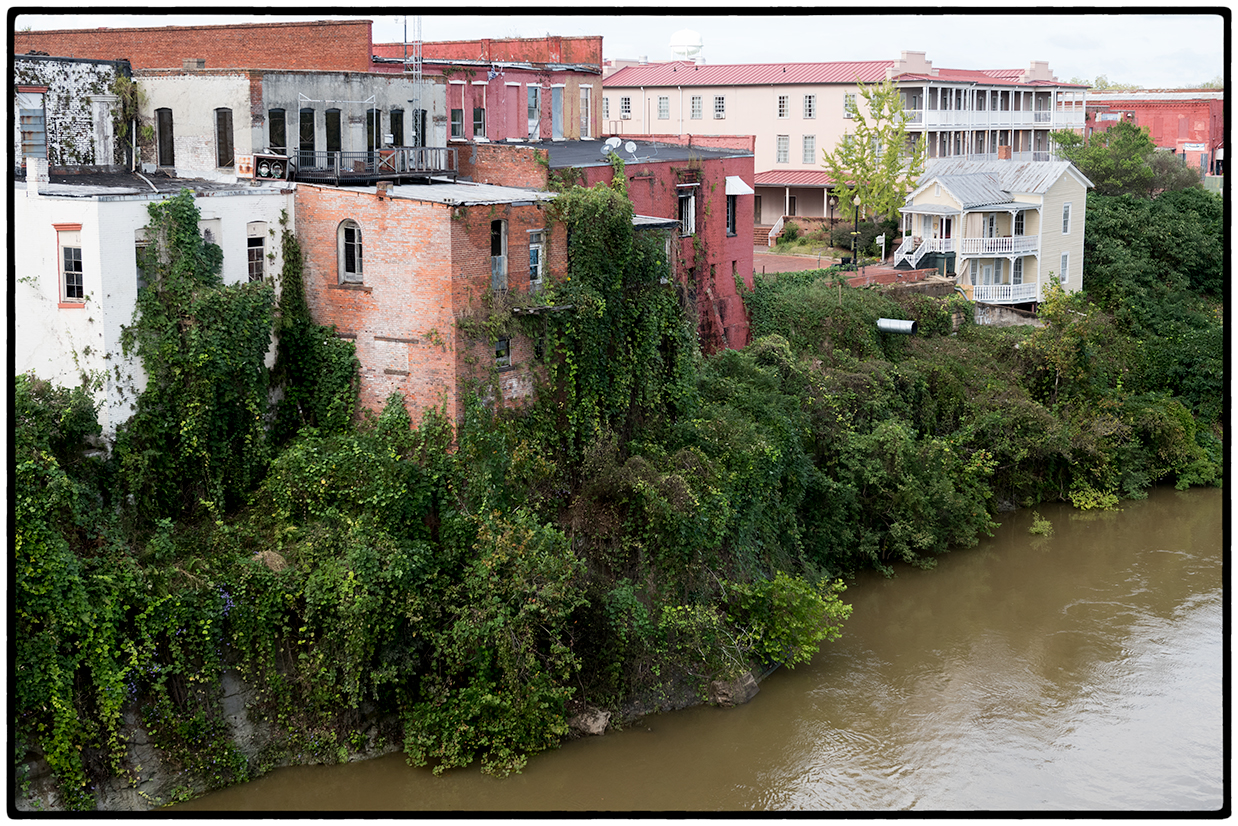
[(736, 186)]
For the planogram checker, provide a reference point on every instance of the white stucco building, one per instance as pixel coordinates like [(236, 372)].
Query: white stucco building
[(76, 273)]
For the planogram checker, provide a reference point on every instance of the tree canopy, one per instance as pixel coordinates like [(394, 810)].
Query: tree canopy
[(862, 163), (1123, 160)]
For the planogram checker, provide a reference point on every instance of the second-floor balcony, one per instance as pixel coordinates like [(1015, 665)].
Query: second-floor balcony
[(1004, 293), (411, 163), (979, 119), (1008, 245)]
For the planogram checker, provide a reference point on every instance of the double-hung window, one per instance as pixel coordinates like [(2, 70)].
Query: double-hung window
[(1065, 267), (784, 106), (457, 123), (730, 214), (810, 149), (69, 240), (849, 105), (625, 107), (1066, 219), (277, 124), (1018, 223), (255, 249), (605, 108), (719, 107), (698, 107), (810, 106), (223, 138), (664, 107), (784, 149), (1016, 271)]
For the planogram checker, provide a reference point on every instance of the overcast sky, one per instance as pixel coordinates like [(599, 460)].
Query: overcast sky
[(1151, 50)]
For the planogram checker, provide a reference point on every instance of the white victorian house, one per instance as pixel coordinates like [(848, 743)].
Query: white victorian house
[(1003, 228)]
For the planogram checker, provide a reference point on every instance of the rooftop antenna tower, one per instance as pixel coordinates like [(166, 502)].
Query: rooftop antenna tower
[(412, 69)]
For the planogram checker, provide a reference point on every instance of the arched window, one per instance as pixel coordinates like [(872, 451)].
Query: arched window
[(349, 244)]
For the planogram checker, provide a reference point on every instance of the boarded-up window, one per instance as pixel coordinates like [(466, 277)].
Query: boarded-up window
[(163, 135), (223, 138), (277, 130), (32, 124)]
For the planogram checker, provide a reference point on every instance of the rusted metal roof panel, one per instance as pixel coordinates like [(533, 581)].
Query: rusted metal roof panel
[(686, 73), (1033, 177)]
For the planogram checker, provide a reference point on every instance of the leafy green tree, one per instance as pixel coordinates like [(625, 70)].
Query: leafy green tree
[(878, 161), (1170, 174), (1115, 161)]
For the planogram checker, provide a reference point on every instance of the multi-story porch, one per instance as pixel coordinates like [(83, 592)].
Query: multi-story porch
[(994, 251)]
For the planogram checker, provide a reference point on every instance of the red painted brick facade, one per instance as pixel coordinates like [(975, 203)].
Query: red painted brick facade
[(503, 164), (329, 45), (426, 267), (1172, 123), (527, 49)]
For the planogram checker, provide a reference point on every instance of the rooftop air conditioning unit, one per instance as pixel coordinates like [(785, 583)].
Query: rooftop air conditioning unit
[(271, 167)]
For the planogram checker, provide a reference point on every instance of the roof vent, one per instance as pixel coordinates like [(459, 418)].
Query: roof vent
[(190, 63), (643, 59)]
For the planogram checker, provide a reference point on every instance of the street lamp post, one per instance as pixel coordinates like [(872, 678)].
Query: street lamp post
[(855, 236)]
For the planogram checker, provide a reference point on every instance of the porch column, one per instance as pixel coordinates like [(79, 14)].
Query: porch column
[(786, 200)]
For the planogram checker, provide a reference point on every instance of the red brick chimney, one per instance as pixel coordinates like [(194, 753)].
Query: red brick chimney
[(1003, 153)]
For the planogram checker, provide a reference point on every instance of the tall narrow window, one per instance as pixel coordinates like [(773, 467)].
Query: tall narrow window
[(305, 138), (1066, 219), (810, 106), (687, 211), (277, 132), (730, 214), (1065, 267), (503, 353), (140, 264), (625, 107), (350, 258), (1018, 222), (1016, 274), (332, 122), (535, 260), (419, 127), (69, 237), (586, 112), (784, 149), (397, 127), (605, 108), (535, 112), (848, 105), (33, 124), (255, 252), (163, 135), (698, 107), (457, 124), (373, 121), (664, 107), (479, 122), (223, 138), (498, 255), (719, 107), (784, 106), (810, 149)]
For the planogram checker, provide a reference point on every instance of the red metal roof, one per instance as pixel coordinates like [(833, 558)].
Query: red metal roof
[(987, 77), (792, 177), (684, 73)]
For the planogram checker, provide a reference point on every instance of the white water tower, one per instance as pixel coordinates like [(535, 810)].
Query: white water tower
[(686, 44)]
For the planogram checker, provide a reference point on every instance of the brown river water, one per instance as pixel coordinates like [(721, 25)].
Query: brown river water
[(1080, 672)]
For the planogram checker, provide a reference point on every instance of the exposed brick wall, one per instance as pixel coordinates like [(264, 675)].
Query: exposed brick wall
[(552, 49), (323, 45), (425, 266), (746, 143), (70, 120), (502, 164)]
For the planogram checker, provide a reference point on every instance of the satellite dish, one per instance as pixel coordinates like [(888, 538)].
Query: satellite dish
[(613, 143), (686, 44), (630, 148)]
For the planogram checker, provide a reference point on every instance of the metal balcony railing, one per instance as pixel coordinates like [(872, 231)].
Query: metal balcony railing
[(375, 165)]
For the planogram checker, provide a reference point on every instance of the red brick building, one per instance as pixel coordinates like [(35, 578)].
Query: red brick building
[(396, 269), (330, 45), (547, 88), (1189, 122)]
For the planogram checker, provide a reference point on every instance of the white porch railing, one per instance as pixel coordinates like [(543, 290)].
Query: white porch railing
[(1010, 245), (1005, 293), (775, 231), (904, 249), (995, 118)]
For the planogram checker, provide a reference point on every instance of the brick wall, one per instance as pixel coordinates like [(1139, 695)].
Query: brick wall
[(586, 49), (500, 164), (322, 45), (70, 121), (425, 266)]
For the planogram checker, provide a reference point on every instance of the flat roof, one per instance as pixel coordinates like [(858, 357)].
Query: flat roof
[(563, 154), (464, 193), (129, 186)]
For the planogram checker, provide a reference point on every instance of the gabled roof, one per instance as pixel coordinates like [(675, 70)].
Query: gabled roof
[(687, 73), (979, 183)]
